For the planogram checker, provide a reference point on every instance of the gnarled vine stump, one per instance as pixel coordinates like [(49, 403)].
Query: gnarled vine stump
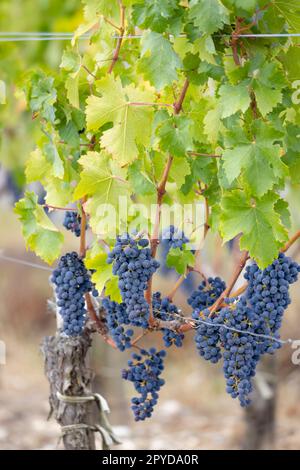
[(68, 374)]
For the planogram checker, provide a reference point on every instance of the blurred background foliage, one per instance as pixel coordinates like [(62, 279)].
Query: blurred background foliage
[(17, 130), (194, 411)]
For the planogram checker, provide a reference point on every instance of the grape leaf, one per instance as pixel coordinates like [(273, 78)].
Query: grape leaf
[(247, 5), (102, 271), (139, 179), (100, 177), (290, 11), (37, 166), (159, 63), (179, 170), (154, 15), (208, 16), (256, 219), (259, 162), (180, 260), (131, 123), (42, 96), (234, 98), (175, 136), (213, 125), (40, 233), (267, 84), (112, 289), (71, 60)]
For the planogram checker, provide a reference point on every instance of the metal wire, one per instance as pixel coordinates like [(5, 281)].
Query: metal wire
[(25, 263), (16, 36), (195, 322), (198, 322)]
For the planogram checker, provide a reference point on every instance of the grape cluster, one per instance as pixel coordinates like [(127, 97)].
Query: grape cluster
[(172, 237), (240, 354), (116, 317), (207, 337), (134, 265), (72, 222), (144, 372), (164, 309), (258, 311), (268, 296), (207, 293), (72, 281)]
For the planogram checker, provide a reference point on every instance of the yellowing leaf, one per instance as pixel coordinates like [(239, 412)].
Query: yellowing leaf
[(131, 123), (39, 232)]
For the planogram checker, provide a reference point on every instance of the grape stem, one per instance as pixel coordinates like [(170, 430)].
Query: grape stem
[(239, 268), (82, 248), (290, 242), (49, 206), (209, 155), (197, 255), (120, 38), (161, 190)]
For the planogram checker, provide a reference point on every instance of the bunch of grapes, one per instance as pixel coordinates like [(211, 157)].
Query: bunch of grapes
[(172, 237), (268, 296), (144, 372), (72, 222), (207, 337), (164, 309), (116, 317), (72, 281), (207, 293), (240, 354), (134, 265)]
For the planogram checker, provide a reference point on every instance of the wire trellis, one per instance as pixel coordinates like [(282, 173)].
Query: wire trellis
[(17, 36)]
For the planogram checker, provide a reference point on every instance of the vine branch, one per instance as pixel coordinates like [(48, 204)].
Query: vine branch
[(120, 38), (160, 190)]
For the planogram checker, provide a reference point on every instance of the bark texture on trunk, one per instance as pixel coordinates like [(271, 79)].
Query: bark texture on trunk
[(68, 374)]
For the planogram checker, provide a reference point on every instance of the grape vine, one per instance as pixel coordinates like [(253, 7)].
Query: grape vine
[(189, 116)]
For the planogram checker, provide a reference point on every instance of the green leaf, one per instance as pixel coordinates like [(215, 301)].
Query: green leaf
[(37, 166), (139, 179), (290, 11), (71, 60), (159, 63), (267, 84), (180, 260), (282, 207), (258, 162), (234, 98), (43, 97), (247, 5), (175, 136), (155, 15), (257, 220), (51, 153), (180, 169), (39, 232), (105, 185), (102, 271), (208, 16), (131, 124), (101, 178), (72, 84), (213, 125), (112, 289)]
